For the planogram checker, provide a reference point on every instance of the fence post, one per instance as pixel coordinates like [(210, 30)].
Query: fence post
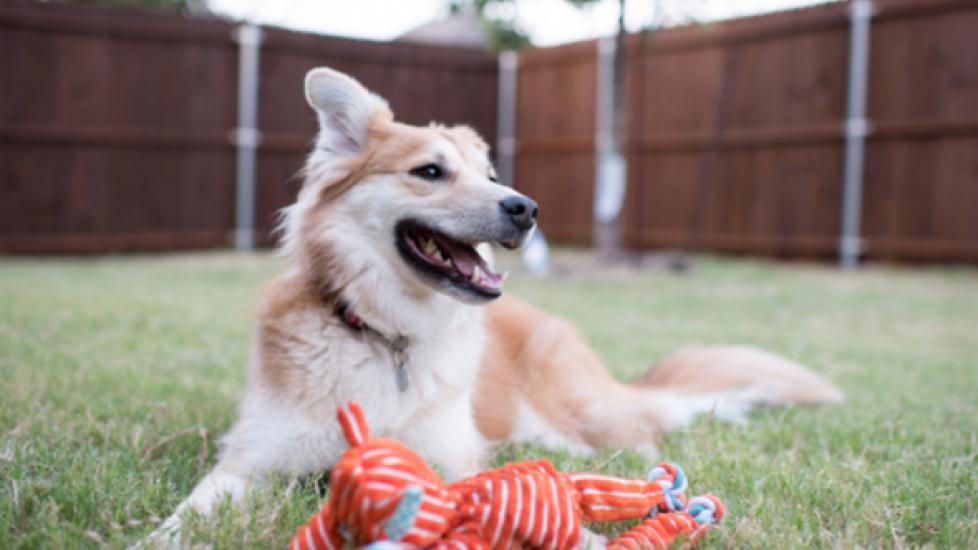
[(857, 127), (246, 135), (506, 117), (609, 165)]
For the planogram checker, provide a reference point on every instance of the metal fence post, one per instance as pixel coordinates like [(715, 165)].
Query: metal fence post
[(609, 165), (246, 136), (604, 138), (506, 117), (857, 127)]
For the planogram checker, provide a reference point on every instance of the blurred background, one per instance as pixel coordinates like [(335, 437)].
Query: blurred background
[(837, 131)]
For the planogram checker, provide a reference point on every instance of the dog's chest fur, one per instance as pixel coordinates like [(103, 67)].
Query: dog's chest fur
[(308, 362)]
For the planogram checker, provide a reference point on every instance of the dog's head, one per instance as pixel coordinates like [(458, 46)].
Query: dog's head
[(383, 199)]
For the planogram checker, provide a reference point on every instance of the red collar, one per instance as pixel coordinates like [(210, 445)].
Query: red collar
[(349, 318)]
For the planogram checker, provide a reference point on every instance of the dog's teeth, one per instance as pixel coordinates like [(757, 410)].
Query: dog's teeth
[(476, 274), (504, 276), (429, 247)]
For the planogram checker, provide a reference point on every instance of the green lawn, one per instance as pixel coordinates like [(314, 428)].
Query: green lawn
[(119, 375)]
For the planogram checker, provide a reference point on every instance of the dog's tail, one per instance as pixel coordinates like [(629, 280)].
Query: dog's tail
[(707, 370), (725, 382), (728, 381)]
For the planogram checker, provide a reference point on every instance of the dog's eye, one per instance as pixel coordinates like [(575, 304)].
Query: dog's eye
[(430, 172), (493, 178)]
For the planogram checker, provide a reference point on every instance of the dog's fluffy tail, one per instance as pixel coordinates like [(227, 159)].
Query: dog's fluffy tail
[(725, 382), (729, 381), (774, 379)]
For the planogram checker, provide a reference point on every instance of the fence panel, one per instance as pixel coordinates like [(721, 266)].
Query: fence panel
[(113, 130), (736, 134), (555, 127), (921, 185), (735, 139)]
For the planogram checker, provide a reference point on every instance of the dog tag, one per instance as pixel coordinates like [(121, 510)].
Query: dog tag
[(402, 377)]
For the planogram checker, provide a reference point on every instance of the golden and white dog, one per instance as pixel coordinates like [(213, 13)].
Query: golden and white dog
[(387, 302)]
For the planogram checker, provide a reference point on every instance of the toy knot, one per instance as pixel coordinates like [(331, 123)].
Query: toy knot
[(706, 509), (672, 480), (354, 423)]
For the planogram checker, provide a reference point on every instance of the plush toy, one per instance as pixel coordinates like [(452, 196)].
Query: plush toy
[(383, 495)]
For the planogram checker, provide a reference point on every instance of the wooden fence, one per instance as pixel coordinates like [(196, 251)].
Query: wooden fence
[(921, 184), (555, 133), (115, 125), (735, 134), (114, 128)]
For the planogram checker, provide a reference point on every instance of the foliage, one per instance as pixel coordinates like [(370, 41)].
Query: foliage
[(498, 19), (504, 35)]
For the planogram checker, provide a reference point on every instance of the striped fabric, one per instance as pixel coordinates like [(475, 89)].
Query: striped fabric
[(381, 491), (661, 531), (531, 505)]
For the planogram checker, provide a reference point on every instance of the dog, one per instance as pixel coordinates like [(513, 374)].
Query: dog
[(391, 301)]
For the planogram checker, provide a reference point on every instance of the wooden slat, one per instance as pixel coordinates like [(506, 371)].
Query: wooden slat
[(555, 145), (546, 58), (924, 129), (124, 137), (801, 244), (922, 249), (97, 243), (894, 9), (787, 137), (747, 137)]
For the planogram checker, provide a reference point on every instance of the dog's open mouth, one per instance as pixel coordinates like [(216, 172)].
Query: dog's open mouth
[(449, 261)]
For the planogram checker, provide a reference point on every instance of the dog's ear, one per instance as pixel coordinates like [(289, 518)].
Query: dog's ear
[(344, 108)]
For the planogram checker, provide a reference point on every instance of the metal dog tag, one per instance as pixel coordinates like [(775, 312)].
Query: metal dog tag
[(401, 376)]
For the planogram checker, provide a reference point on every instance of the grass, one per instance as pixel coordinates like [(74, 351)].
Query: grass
[(119, 375)]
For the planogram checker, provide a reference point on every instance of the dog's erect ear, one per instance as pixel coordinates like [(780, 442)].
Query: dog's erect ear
[(344, 108)]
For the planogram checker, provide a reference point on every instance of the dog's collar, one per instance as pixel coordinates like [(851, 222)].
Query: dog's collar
[(352, 320), (398, 344)]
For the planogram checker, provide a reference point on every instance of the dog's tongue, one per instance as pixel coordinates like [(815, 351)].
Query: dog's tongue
[(466, 258)]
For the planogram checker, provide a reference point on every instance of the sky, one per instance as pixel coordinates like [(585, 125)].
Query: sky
[(548, 22)]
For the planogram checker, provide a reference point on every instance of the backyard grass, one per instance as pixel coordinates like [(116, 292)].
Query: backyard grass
[(118, 375)]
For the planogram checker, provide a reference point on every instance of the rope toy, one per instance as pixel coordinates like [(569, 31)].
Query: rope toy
[(383, 496)]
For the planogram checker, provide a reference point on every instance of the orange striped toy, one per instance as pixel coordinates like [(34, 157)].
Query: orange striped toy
[(383, 495)]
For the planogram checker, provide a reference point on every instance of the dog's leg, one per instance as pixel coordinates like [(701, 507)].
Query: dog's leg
[(222, 482), (270, 438)]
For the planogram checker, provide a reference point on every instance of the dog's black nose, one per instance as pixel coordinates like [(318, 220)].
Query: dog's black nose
[(521, 210)]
